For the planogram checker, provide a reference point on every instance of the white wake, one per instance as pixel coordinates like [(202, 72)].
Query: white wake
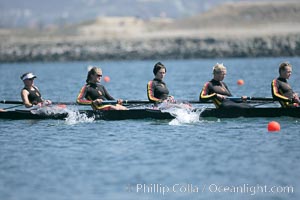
[(73, 114), (183, 113)]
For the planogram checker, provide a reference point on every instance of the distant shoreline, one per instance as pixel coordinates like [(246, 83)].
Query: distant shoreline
[(144, 49)]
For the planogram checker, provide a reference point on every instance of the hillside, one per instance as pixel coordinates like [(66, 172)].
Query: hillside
[(230, 30), (238, 19), (42, 14), (242, 19), (244, 15)]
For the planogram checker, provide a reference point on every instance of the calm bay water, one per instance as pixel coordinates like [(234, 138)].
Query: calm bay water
[(148, 159)]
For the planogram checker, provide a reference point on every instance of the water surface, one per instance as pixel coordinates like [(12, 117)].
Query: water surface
[(130, 159)]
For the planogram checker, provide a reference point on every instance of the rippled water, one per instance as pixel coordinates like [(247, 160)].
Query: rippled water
[(148, 159)]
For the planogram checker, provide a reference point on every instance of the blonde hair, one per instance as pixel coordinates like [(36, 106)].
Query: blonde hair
[(218, 68)]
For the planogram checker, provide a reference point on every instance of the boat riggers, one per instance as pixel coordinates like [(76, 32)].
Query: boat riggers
[(11, 107), (270, 99), (127, 102), (21, 102), (235, 99), (227, 103)]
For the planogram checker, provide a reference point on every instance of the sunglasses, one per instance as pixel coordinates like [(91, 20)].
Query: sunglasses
[(99, 75)]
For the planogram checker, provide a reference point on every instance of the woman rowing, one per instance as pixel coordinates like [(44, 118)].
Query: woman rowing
[(93, 93), (217, 91), (157, 90), (30, 94), (281, 89)]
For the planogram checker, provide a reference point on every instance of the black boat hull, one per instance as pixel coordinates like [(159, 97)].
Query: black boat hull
[(157, 114), (251, 112), (97, 115), (128, 114)]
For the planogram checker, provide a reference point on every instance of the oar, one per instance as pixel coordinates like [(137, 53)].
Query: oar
[(21, 102), (11, 102), (11, 107), (239, 100), (252, 99), (126, 102)]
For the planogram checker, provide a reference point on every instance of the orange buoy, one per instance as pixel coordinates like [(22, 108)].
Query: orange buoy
[(240, 82), (106, 78), (273, 126)]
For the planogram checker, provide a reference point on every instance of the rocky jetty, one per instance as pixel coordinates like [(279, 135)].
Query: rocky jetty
[(172, 48)]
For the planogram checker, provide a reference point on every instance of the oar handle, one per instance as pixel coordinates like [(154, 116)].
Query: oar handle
[(239, 99), (12, 107), (10, 102), (74, 103), (21, 102), (126, 102), (262, 98), (251, 98), (136, 101)]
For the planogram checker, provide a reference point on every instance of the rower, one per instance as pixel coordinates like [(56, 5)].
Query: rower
[(157, 90), (30, 93), (217, 91), (93, 93), (281, 89)]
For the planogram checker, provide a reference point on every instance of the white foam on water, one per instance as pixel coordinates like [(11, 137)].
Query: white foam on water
[(74, 116), (183, 113), (49, 110)]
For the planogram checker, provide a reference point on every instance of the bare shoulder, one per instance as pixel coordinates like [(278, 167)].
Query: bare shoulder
[(24, 92)]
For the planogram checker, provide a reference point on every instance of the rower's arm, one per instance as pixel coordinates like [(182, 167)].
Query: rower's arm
[(81, 97), (107, 95), (205, 93), (26, 102), (150, 92), (228, 91)]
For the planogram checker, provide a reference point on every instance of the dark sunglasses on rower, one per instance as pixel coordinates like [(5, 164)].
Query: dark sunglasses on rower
[(99, 75)]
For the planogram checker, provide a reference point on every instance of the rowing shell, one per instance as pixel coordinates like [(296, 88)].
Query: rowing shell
[(157, 114), (97, 115)]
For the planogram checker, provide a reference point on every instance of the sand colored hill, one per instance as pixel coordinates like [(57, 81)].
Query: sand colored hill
[(238, 19), (243, 15), (243, 19)]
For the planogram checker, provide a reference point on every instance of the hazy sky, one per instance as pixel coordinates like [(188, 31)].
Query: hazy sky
[(24, 12)]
